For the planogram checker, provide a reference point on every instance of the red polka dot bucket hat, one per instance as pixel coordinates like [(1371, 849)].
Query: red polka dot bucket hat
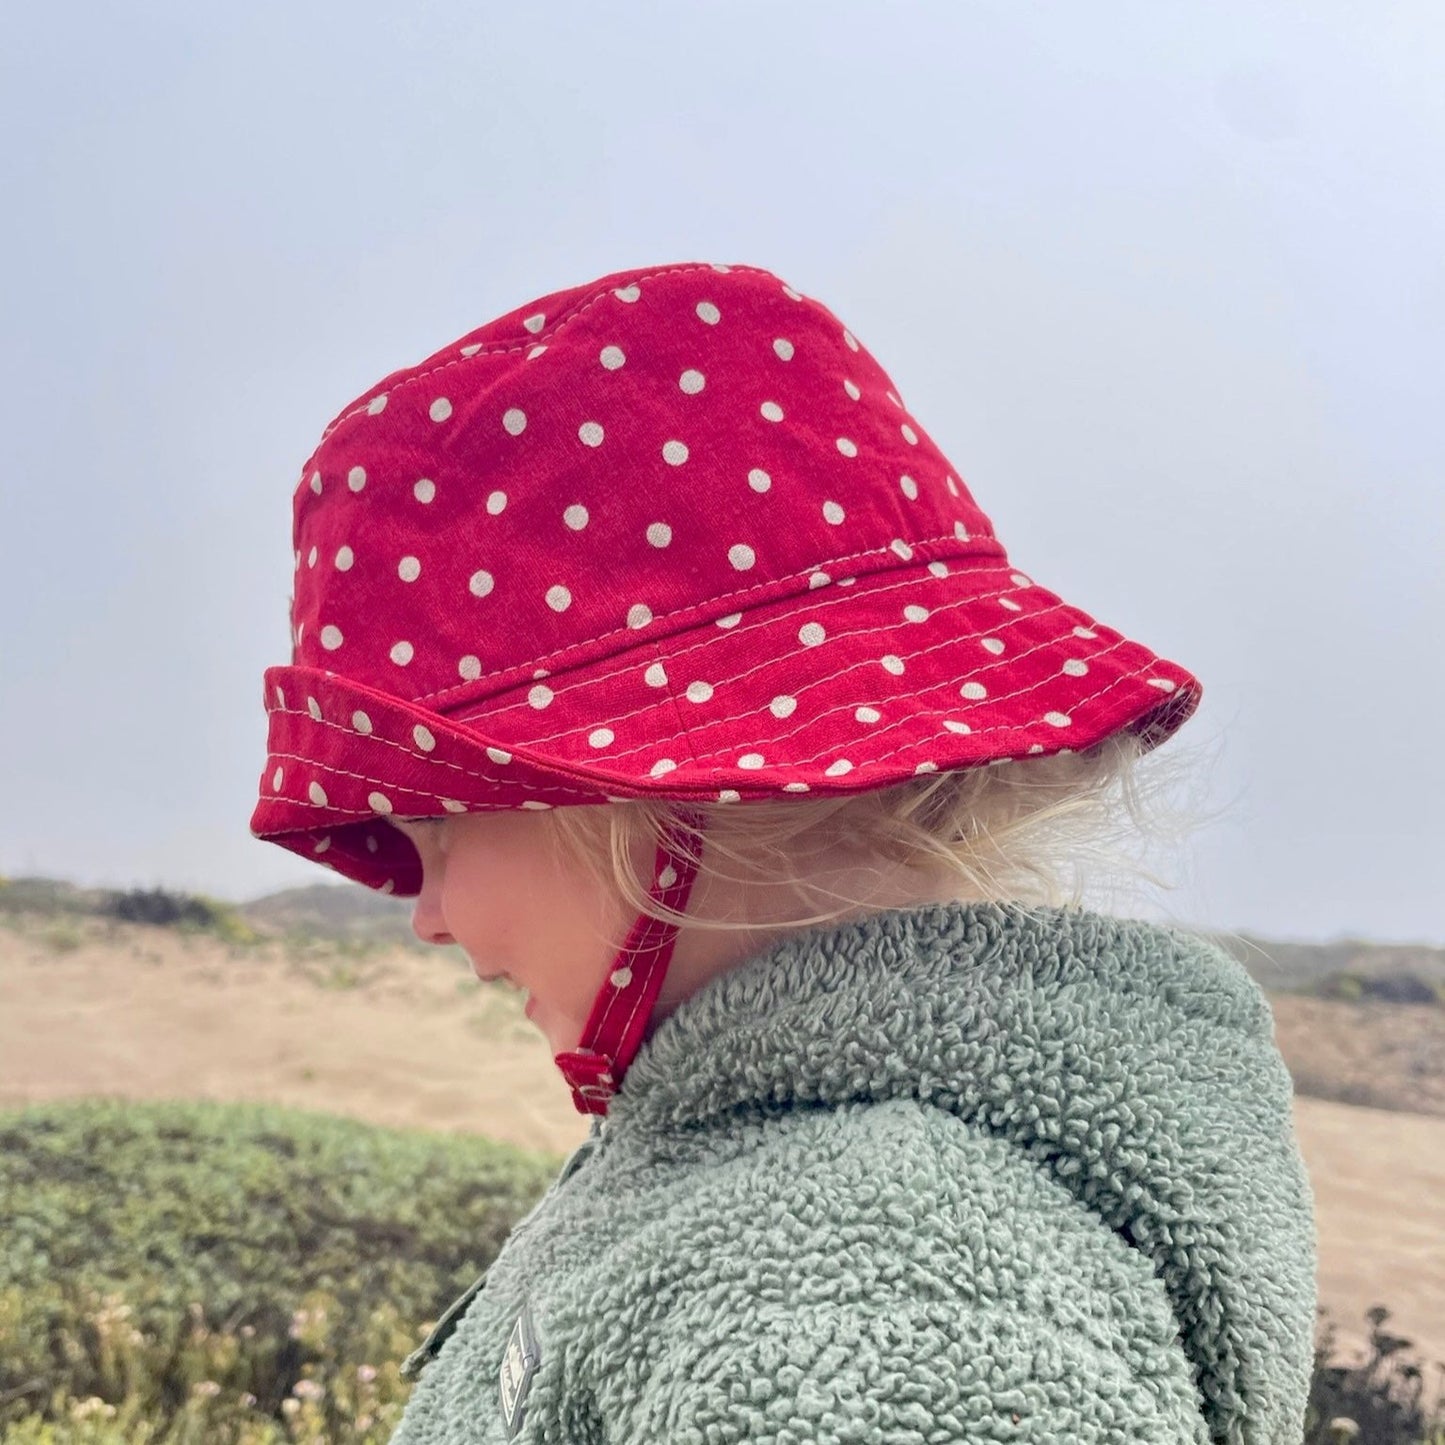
[(670, 534)]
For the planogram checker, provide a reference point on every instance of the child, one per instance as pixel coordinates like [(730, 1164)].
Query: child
[(659, 571)]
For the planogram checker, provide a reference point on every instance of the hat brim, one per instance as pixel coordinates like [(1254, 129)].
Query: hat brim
[(995, 668)]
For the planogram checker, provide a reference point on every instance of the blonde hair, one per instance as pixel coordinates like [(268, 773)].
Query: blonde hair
[(1021, 833)]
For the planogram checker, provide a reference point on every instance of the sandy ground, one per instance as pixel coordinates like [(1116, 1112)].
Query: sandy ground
[(412, 1039)]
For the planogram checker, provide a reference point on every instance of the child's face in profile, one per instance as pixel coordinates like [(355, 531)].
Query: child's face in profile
[(490, 885)]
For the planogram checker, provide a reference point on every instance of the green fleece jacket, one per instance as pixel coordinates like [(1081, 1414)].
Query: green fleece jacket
[(943, 1174)]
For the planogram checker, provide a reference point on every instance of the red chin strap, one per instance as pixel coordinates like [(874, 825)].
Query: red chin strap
[(618, 1023)]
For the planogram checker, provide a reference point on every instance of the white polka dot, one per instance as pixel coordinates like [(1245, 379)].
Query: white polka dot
[(909, 487), (783, 705), (938, 569), (471, 350), (818, 579), (771, 411), (559, 599), (708, 312), (729, 795), (1087, 633), (901, 548), (611, 357), (750, 760), (639, 615), (835, 770), (661, 766), (851, 340), (795, 788), (1010, 604), (1019, 580), (503, 758), (371, 843), (893, 664), (331, 638), (659, 534), (621, 977), (699, 691), (378, 802), (317, 794), (440, 409), (847, 446), (452, 806), (540, 696), (956, 727), (674, 453), (470, 667), (952, 485), (851, 389), (575, 516), (408, 569), (1057, 719), (316, 483), (1164, 684), (1075, 668), (311, 557), (356, 478), (741, 556), (591, 433), (867, 715), (656, 675), (759, 480), (314, 708), (993, 645), (535, 352), (425, 490), (515, 421), (361, 723), (926, 767), (832, 512), (321, 845), (376, 404), (909, 435), (810, 634), (423, 738), (402, 653), (276, 780), (784, 348), (480, 583), (915, 614), (496, 504), (692, 382), (973, 691), (894, 398), (960, 531), (627, 293), (535, 323), (601, 738)]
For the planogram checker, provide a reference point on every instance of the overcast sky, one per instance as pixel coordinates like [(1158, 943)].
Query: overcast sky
[(1164, 281)]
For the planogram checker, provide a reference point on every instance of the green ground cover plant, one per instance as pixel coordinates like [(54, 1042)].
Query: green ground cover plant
[(221, 1274), (233, 1274)]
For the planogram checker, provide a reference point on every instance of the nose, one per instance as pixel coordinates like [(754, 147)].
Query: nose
[(427, 920)]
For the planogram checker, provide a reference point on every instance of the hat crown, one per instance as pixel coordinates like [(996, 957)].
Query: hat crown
[(602, 466)]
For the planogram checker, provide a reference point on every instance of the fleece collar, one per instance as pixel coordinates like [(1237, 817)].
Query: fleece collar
[(1015, 1015)]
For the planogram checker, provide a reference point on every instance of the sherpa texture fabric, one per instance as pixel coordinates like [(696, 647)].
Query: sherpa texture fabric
[(950, 1173)]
